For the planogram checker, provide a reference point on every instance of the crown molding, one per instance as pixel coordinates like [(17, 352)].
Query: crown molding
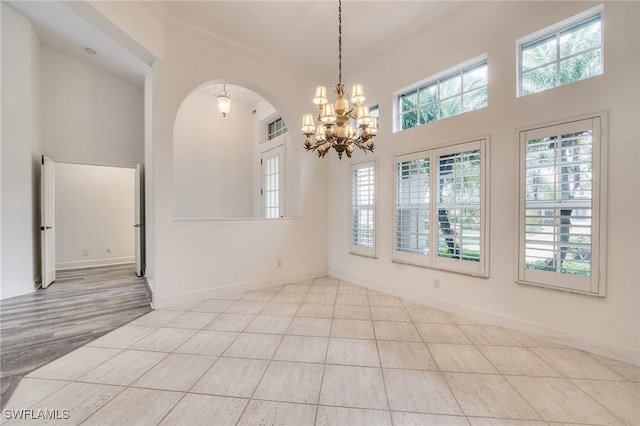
[(194, 30), (157, 8), (443, 11)]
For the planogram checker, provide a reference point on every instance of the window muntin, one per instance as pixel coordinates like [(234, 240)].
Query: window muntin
[(363, 208), (271, 187), (440, 215), (560, 206), (276, 128), (461, 91), (563, 55)]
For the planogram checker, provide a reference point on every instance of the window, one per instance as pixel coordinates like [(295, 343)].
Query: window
[(374, 112), (440, 208), (563, 53), (276, 128), (363, 209), (273, 182), (460, 90), (562, 206)]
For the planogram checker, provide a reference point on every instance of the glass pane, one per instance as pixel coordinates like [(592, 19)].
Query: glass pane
[(450, 107), (475, 99), (429, 114), (539, 79), (475, 77), (539, 52), (409, 101), (429, 94), (585, 36), (409, 120), (581, 67), (450, 86)]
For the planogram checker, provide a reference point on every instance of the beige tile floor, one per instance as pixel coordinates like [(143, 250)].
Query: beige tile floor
[(327, 352)]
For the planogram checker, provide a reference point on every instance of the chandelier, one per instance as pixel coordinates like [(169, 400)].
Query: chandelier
[(336, 122), (224, 101)]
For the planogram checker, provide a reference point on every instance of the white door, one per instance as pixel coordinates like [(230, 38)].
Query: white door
[(273, 201), (47, 221), (139, 219)]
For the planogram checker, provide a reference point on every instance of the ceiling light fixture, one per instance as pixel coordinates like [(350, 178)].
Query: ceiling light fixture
[(224, 102), (336, 129)]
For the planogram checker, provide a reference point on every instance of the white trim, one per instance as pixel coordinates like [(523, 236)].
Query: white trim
[(624, 353), (81, 264), (19, 290), (212, 293)]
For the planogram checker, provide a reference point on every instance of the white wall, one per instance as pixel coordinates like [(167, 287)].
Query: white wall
[(196, 258), (94, 211), (213, 158), (21, 150), (609, 325), (90, 117)]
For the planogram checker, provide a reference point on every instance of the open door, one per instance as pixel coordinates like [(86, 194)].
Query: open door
[(139, 219), (47, 221)]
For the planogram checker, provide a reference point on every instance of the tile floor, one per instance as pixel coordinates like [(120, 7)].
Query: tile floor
[(327, 352)]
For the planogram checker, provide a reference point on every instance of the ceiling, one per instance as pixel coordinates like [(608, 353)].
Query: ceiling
[(301, 36), (304, 34)]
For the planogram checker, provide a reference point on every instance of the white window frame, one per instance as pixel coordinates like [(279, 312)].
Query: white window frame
[(595, 284), (432, 259), (355, 248), (450, 72), (556, 29), (277, 152), (277, 133)]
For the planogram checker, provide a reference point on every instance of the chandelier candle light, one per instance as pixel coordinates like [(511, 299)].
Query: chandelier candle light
[(335, 129)]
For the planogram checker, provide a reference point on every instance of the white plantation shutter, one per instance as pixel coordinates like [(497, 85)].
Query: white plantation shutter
[(560, 206), (412, 213), (363, 208)]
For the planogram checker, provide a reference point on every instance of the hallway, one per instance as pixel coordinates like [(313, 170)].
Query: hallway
[(78, 307)]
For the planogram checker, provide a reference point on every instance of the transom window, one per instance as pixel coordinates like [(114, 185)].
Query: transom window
[(561, 204), (276, 128), (563, 53), (462, 90), (363, 209), (440, 208)]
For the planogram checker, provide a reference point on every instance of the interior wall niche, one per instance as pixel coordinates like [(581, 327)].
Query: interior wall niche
[(217, 160)]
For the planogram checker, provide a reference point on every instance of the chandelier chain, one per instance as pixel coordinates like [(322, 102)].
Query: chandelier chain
[(339, 41)]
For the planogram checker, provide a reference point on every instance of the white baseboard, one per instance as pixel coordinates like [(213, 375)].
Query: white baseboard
[(19, 290), (590, 344), (79, 264), (183, 298)]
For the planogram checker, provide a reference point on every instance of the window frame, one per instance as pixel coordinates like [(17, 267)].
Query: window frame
[(435, 79), (595, 284), (356, 249), (556, 29), (432, 260), (278, 132), (278, 152)]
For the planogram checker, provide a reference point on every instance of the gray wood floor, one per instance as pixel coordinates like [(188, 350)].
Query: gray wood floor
[(81, 305)]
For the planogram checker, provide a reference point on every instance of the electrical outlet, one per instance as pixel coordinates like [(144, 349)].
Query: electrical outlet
[(108, 249), (436, 283), (85, 252)]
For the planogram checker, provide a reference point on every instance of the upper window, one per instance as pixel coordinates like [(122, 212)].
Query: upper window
[(276, 128), (363, 208), (563, 53), (440, 208), (461, 89), (561, 206)]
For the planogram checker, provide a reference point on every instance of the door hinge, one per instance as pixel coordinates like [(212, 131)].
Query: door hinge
[(42, 159), (261, 161), (261, 191)]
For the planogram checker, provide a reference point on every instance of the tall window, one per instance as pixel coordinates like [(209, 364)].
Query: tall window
[(363, 208), (563, 53), (440, 208), (461, 89), (273, 182), (561, 206), (276, 128)]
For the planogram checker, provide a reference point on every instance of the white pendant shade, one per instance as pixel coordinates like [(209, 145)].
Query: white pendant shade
[(224, 102)]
